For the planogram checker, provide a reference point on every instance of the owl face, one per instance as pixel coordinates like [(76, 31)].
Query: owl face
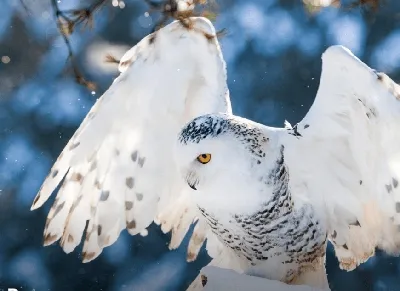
[(223, 159), (213, 162)]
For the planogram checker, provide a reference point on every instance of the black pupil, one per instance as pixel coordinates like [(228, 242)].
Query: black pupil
[(204, 156)]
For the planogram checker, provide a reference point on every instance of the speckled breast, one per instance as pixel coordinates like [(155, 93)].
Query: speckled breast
[(277, 232)]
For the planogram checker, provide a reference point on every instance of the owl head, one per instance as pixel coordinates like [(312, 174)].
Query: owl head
[(227, 162)]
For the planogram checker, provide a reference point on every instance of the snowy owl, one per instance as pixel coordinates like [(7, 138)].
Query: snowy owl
[(162, 145), (274, 196), (119, 166)]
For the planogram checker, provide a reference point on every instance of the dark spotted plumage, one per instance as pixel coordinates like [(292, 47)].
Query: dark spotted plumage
[(214, 125), (371, 111), (104, 195), (277, 229), (395, 182), (295, 132), (74, 145), (130, 182)]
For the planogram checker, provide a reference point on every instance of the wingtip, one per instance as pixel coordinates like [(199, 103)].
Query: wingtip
[(338, 56), (191, 257), (89, 256), (204, 24), (336, 51), (144, 232), (198, 23), (40, 198), (35, 204), (49, 239)]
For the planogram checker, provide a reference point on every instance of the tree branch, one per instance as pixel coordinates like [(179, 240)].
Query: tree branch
[(66, 22), (24, 6)]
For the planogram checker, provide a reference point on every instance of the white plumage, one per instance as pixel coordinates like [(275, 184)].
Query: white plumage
[(351, 153), (267, 199), (119, 166), (334, 175)]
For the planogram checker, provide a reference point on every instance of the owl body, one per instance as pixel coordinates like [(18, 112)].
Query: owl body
[(273, 234), (264, 199), (277, 249)]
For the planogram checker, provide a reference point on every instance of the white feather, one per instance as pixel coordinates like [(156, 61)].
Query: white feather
[(123, 151), (349, 157), (342, 166)]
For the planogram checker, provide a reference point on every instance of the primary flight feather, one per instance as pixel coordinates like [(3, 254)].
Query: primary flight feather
[(118, 168)]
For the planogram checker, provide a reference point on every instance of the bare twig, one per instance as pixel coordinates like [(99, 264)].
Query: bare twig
[(111, 59), (66, 22), (368, 4), (316, 5), (169, 10), (24, 6)]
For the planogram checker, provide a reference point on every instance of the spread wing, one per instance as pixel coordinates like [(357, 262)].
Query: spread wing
[(346, 157), (118, 169)]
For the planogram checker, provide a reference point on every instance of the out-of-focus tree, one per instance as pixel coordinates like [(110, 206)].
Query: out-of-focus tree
[(69, 20), (272, 49)]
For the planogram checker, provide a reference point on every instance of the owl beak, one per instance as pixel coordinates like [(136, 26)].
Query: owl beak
[(192, 180)]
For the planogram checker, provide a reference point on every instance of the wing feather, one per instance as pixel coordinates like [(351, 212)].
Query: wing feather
[(351, 134), (196, 241), (78, 214), (119, 166)]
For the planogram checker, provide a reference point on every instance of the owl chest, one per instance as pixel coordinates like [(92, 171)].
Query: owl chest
[(293, 239)]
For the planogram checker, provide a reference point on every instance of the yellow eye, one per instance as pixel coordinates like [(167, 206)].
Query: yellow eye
[(204, 158)]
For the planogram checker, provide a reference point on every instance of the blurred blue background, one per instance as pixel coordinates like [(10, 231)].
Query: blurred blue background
[(273, 51)]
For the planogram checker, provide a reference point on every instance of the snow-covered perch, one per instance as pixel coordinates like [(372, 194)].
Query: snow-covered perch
[(218, 279)]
